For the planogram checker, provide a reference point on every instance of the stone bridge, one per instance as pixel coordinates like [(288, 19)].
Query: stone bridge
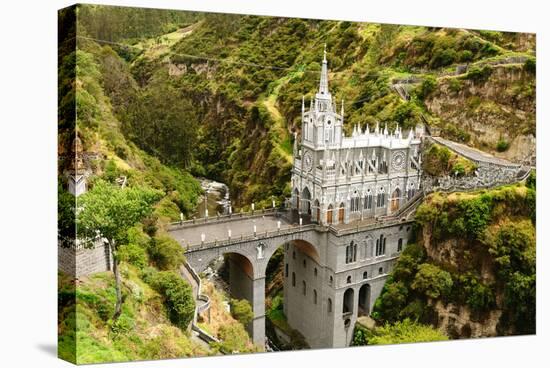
[(491, 171), (249, 241)]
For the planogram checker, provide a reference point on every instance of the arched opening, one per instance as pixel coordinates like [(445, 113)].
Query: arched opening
[(394, 206), (329, 214), (364, 300), (347, 307), (233, 272), (341, 213), (317, 209), (306, 201), (329, 305), (287, 297)]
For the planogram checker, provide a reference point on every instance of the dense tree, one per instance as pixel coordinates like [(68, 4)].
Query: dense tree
[(107, 211)]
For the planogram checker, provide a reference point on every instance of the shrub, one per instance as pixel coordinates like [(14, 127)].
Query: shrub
[(466, 55), (476, 294), (241, 311), (405, 331), (502, 145), (530, 66), (166, 253), (455, 85), (476, 213), (391, 301), (234, 338), (432, 281), (479, 75), (427, 87), (178, 296), (134, 255)]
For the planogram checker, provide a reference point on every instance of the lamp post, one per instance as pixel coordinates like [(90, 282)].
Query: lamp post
[(229, 233), (278, 225), (203, 237), (206, 204)]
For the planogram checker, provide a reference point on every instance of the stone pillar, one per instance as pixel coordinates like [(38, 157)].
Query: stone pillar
[(257, 326)]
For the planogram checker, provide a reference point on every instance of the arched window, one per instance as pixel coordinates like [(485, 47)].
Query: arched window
[(351, 252), (304, 287), (315, 271), (411, 191), (348, 280), (381, 270), (380, 246), (293, 279), (329, 305), (304, 263), (400, 245), (330, 280), (286, 270), (354, 204), (365, 275), (367, 203), (314, 296), (381, 198)]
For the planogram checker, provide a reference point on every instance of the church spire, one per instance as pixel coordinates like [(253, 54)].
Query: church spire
[(323, 84)]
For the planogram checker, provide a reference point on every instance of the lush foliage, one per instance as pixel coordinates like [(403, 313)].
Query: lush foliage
[(405, 331), (440, 161), (178, 296), (111, 211), (241, 310), (494, 227), (166, 253)]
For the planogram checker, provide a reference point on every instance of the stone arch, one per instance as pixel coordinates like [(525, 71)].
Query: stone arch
[(347, 304), (364, 300)]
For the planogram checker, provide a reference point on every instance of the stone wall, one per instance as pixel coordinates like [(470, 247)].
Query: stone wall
[(78, 261)]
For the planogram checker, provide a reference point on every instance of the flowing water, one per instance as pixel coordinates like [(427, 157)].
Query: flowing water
[(216, 199)]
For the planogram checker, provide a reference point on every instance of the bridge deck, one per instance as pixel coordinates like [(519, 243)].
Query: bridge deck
[(472, 153), (190, 235)]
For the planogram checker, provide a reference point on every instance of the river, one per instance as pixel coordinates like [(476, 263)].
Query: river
[(217, 199)]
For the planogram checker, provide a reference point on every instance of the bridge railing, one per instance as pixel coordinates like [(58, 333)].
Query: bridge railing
[(253, 236), (229, 217)]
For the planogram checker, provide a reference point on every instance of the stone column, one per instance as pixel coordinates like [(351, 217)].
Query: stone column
[(257, 326)]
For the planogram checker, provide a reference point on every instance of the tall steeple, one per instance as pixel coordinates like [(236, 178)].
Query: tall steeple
[(323, 84)]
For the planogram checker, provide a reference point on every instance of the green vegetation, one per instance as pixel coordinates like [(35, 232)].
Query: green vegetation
[(405, 331), (142, 330), (241, 310), (491, 227), (502, 145), (177, 294), (166, 253), (440, 161), (111, 212)]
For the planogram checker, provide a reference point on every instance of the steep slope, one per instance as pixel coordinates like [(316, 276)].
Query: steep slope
[(472, 271), (241, 80)]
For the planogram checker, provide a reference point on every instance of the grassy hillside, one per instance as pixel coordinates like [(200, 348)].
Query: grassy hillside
[(240, 81), (143, 331)]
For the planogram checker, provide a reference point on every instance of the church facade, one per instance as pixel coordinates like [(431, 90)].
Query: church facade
[(337, 179)]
